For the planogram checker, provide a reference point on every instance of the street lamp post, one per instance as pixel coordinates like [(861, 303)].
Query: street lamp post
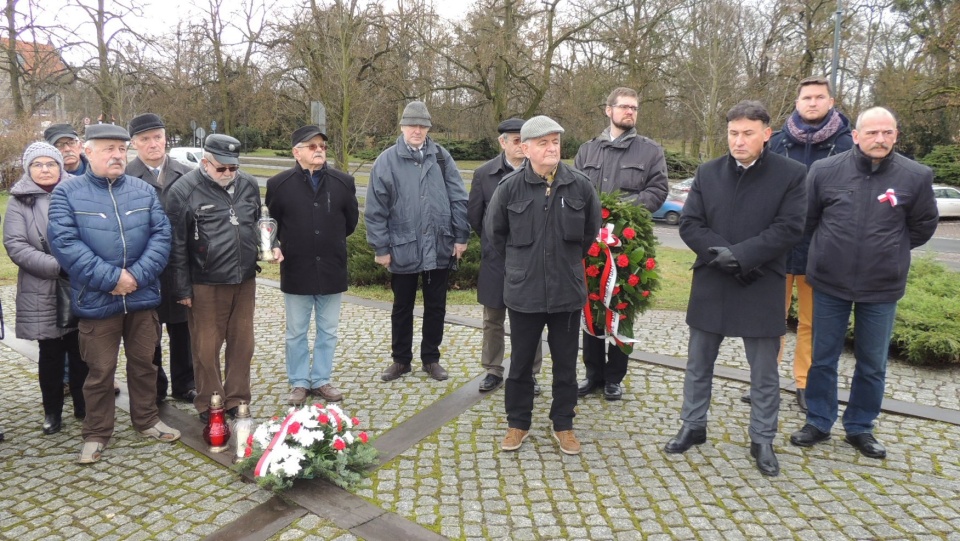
[(836, 48)]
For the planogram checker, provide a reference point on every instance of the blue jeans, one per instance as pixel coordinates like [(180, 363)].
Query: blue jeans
[(873, 326), (300, 372)]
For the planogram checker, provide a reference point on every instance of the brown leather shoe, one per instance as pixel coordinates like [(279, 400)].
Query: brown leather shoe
[(394, 371), (435, 371), (514, 439), (327, 392), (568, 442)]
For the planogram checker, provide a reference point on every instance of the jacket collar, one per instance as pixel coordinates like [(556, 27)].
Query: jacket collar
[(404, 151), (734, 164), (531, 177), (623, 141), (102, 182), (865, 163)]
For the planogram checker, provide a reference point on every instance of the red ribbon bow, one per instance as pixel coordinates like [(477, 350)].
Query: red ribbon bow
[(888, 197)]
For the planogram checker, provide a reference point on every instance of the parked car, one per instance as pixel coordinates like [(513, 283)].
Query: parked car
[(682, 188), (670, 211), (187, 155), (948, 201)]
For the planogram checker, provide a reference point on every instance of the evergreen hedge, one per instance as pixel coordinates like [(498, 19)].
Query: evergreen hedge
[(945, 162), (927, 327)]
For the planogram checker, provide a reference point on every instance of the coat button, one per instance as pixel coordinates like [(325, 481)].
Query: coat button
[(316, 231), (318, 258), (316, 204)]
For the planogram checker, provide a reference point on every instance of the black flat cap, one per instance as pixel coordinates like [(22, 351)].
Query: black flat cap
[(144, 122), (306, 133), (510, 125), (59, 131), (106, 131), (225, 148)]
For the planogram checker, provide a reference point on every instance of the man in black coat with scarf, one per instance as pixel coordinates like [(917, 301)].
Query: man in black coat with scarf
[(744, 213)]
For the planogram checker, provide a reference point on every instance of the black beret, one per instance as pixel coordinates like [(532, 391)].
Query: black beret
[(106, 131), (510, 125), (306, 133), (59, 131), (144, 122), (224, 147)]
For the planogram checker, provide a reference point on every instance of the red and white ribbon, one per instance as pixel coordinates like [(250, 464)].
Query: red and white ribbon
[(263, 465), (888, 196), (608, 282)]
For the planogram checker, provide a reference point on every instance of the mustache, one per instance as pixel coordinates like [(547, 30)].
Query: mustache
[(115, 161)]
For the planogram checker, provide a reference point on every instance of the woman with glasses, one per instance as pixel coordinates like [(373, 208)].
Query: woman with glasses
[(24, 237)]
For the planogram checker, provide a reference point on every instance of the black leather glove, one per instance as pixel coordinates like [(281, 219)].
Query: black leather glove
[(725, 260), (747, 278)]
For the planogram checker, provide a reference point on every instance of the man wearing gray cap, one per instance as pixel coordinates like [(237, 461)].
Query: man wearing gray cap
[(316, 209), (542, 220), (490, 281), (148, 136), (214, 211), (109, 232), (65, 138), (416, 218)]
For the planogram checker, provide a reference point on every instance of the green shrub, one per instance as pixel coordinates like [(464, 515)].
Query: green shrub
[(680, 166), (927, 328), (945, 162)]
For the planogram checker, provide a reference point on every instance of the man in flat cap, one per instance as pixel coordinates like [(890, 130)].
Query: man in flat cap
[(109, 232), (416, 218), (65, 138), (214, 211), (316, 209), (148, 136), (542, 220), (490, 281), (624, 162)]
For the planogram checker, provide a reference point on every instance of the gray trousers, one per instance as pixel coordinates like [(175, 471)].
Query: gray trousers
[(764, 382), (491, 354)]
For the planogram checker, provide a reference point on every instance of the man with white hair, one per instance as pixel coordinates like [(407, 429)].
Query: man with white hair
[(68, 142)]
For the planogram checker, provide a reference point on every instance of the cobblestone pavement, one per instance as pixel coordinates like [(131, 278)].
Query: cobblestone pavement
[(458, 483)]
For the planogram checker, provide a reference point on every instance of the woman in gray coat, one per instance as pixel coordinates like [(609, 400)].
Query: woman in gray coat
[(24, 232)]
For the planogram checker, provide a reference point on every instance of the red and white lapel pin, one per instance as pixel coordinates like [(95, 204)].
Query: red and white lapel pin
[(888, 197)]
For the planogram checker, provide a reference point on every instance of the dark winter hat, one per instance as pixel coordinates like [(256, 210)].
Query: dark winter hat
[(510, 125), (41, 149), (306, 133), (225, 148), (58, 131), (416, 114), (539, 126), (106, 131), (144, 122)]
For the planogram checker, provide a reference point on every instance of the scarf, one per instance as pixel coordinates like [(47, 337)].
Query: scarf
[(811, 135)]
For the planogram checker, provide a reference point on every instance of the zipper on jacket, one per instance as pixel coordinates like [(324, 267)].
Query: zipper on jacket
[(129, 212), (100, 214), (123, 240)]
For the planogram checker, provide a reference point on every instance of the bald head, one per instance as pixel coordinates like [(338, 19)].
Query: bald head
[(875, 112), (876, 133)]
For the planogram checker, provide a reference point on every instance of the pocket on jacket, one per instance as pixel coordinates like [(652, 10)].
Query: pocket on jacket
[(515, 275), (404, 247), (572, 219), (632, 177), (520, 219)]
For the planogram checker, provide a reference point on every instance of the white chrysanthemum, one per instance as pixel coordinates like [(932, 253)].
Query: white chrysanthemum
[(262, 436), (307, 438), (348, 437)]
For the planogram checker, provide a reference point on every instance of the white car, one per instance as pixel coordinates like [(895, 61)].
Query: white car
[(948, 201), (681, 189), (187, 155)]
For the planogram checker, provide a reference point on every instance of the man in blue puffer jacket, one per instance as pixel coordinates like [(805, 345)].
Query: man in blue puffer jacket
[(109, 232)]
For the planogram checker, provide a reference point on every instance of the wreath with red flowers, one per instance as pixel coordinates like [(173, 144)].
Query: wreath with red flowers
[(621, 272)]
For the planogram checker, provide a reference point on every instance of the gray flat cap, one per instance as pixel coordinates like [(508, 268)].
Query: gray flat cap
[(539, 126), (415, 114), (59, 131), (106, 131)]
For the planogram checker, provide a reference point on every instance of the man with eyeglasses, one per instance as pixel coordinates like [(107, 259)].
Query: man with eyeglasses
[(214, 211), (416, 218), (65, 138), (867, 208), (619, 161), (148, 136), (316, 209)]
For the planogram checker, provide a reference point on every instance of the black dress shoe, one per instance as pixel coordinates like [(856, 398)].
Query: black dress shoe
[(867, 445), (745, 398), (808, 436), (536, 387), (613, 391), (685, 439), (490, 382), (766, 459), (587, 386), (51, 424), (185, 397), (802, 399)]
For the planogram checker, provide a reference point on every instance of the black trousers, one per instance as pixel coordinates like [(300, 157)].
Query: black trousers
[(605, 362), (434, 311), (563, 336), (50, 369), (181, 362)]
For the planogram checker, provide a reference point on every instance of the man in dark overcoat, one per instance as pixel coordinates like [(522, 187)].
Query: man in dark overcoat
[(744, 213), (490, 279), (148, 136)]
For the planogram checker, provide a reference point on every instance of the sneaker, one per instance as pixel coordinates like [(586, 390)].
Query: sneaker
[(327, 392), (568, 442), (90, 452), (161, 432), (394, 371), (514, 439), (297, 396)]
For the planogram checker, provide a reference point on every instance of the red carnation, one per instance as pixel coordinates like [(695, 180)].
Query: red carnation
[(633, 280), (651, 263), (294, 428), (623, 316), (604, 213), (594, 250), (250, 439), (355, 421), (621, 306), (323, 418), (339, 444), (646, 293), (593, 271), (616, 290), (248, 452), (364, 438), (623, 260), (594, 297), (629, 233)]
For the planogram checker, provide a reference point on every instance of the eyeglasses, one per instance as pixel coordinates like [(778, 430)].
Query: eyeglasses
[(631, 108), (222, 168), (45, 165), (67, 144), (314, 146)]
